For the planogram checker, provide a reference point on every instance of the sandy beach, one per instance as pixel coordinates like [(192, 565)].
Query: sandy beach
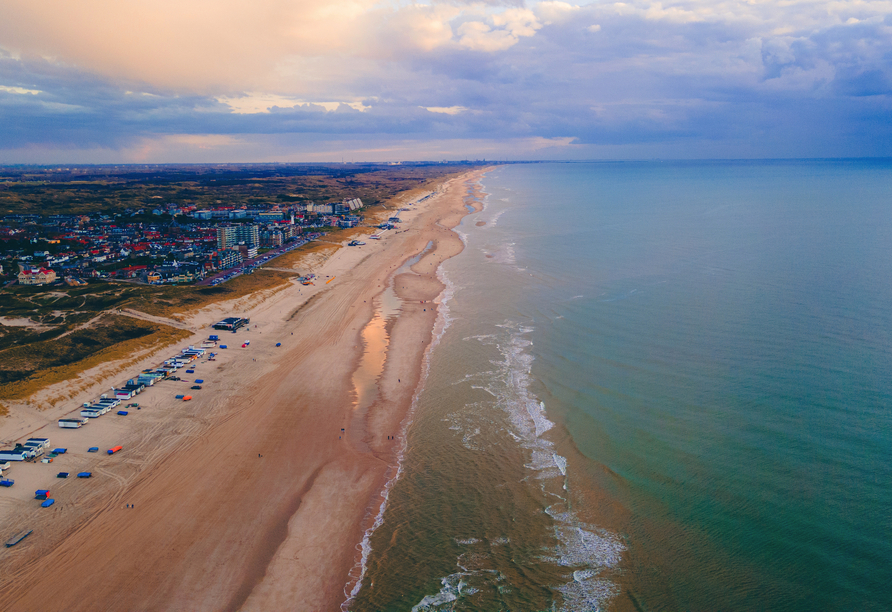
[(256, 494)]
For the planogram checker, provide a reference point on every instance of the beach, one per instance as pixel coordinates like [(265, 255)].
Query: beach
[(257, 493)]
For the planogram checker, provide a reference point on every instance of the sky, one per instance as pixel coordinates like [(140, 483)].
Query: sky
[(213, 81)]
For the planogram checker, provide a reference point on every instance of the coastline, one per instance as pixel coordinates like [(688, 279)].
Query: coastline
[(251, 498)]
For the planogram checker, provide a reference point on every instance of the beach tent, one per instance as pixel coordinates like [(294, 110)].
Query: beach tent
[(122, 412), (60, 451), (198, 381), (62, 475), (114, 449), (84, 474), (222, 346), (48, 503), (187, 398), (278, 344), (93, 449)]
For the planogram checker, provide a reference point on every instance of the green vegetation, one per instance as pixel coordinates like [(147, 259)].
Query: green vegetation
[(19, 362), (27, 370), (110, 189)]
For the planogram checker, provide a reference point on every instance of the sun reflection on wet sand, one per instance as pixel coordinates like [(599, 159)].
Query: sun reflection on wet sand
[(376, 340)]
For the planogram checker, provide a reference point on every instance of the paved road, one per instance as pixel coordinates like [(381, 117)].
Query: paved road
[(250, 264)]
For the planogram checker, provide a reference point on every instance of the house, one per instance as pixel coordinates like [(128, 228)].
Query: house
[(40, 276), (129, 272)]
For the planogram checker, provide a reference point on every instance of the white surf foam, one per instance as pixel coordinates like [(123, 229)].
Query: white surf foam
[(586, 548)]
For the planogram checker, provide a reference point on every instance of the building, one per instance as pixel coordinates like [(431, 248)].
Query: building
[(226, 258), (40, 276), (271, 238), (231, 323), (248, 252), (231, 235), (130, 272)]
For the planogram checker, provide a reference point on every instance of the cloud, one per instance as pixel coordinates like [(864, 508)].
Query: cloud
[(256, 102), (19, 90), (446, 110), (502, 31), (101, 76), (554, 11)]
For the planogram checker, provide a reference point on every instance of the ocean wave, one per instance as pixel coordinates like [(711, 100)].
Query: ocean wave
[(495, 218), (586, 548), (455, 586)]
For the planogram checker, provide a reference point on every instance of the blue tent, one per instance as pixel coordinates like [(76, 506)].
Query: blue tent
[(48, 503)]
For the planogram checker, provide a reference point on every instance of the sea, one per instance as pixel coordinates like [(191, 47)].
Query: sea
[(656, 386)]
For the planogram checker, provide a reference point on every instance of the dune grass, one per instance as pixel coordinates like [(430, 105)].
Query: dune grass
[(25, 370)]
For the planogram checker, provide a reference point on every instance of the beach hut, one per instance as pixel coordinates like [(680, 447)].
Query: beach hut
[(114, 449), (48, 503)]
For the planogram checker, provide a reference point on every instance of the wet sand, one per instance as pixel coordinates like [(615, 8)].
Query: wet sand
[(256, 494)]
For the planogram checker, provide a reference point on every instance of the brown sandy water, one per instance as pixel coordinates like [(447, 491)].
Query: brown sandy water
[(482, 516)]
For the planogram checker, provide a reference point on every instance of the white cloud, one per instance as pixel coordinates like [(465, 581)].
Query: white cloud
[(554, 11), (519, 22), (478, 36), (254, 103), (504, 32), (19, 90), (445, 110)]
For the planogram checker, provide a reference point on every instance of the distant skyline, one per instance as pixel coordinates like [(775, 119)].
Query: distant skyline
[(210, 81)]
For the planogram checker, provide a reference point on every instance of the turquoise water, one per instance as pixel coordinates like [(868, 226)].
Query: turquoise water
[(660, 386)]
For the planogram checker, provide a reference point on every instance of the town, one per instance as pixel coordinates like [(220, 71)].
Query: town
[(183, 245), (188, 225)]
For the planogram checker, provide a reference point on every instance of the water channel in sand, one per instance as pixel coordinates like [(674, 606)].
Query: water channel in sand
[(375, 338)]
